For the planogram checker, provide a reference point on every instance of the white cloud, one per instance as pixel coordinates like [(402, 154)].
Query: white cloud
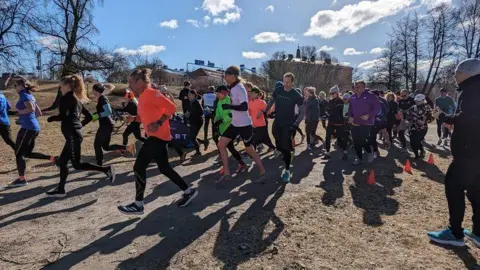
[(254, 55), (325, 48), (346, 63), (352, 51), (424, 65), (215, 7), (370, 64), (435, 3), (352, 18), (270, 8), (228, 18), (377, 50), (198, 24), (172, 24), (273, 37), (51, 43), (142, 50)]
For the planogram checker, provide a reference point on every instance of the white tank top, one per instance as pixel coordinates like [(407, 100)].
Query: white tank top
[(209, 99)]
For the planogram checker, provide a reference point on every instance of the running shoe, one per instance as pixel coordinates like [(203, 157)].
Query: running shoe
[(18, 183), (446, 237), (472, 237), (287, 175), (132, 209), (224, 178), (111, 174), (56, 193), (357, 162), (187, 198)]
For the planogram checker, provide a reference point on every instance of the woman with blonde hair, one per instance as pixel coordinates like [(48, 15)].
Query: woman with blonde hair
[(71, 108), (312, 106)]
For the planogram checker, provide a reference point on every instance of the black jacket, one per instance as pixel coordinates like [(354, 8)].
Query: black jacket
[(335, 111), (196, 113), (130, 108), (391, 116), (323, 108), (70, 112), (406, 104), (466, 121), (183, 96), (313, 109)]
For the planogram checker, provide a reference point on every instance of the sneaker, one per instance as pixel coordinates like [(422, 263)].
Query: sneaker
[(286, 176), (224, 178), (357, 162), (187, 198), (472, 237), (326, 156), (370, 158), (132, 209), (18, 183), (111, 174), (446, 237), (56, 193), (197, 154)]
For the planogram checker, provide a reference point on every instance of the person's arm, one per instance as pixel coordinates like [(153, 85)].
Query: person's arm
[(56, 103), (9, 107), (301, 115), (375, 107), (87, 116), (29, 107)]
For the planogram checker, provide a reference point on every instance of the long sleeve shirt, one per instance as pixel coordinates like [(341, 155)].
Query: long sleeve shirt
[(365, 104)]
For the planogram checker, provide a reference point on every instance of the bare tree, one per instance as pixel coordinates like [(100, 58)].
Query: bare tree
[(439, 25), (415, 48), (402, 34), (308, 51), (279, 55), (13, 30), (322, 55), (70, 24), (390, 69), (467, 18)]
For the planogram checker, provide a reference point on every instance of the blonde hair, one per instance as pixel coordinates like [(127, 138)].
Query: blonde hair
[(78, 87), (322, 94), (27, 85), (248, 84), (142, 74), (390, 94), (312, 91)]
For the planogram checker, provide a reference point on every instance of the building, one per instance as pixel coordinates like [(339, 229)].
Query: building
[(202, 78), (173, 76)]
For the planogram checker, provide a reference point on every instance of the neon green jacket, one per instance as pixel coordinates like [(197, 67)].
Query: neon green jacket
[(225, 116)]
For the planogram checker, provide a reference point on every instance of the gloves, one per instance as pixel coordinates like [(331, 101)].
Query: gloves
[(226, 106), (95, 117)]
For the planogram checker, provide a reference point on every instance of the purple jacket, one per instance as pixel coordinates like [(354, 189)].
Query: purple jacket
[(366, 103)]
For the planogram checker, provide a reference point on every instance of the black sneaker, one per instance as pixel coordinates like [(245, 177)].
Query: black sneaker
[(197, 154), (18, 183), (132, 209), (111, 174), (187, 198), (56, 194)]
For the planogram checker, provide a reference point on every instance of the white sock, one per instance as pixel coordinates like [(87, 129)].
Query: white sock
[(139, 203), (188, 190)]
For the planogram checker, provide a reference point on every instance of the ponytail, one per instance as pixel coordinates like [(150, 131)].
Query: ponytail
[(77, 86)]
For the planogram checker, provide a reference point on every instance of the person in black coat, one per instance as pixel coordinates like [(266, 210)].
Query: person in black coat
[(392, 115), (195, 119), (134, 127), (336, 123), (462, 177), (312, 114), (183, 96)]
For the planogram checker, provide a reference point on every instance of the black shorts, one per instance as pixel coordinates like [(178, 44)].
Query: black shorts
[(245, 133)]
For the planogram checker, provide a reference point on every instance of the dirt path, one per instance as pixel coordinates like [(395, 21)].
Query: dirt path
[(328, 218)]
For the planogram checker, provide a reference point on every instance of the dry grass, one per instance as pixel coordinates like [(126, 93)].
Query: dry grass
[(328, 218)]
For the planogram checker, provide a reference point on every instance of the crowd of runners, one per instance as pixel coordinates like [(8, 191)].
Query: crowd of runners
[(356, 118)]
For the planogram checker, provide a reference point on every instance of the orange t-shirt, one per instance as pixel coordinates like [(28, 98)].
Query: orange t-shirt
[(152, 105), (254, 107)]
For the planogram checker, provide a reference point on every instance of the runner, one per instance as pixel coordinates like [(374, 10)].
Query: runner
[(223, 120), (297, 113), (183, 96), (5, 130), (380, 123), (208, 104), (285, 123), (194, 115), (336, 122), (392, 120), (28, 111), (256, 108), (323, 107), (445, 104), (154, 111), (420, 115), (131, 109), (312, 113), (71, 108), (105, 125), (404, 104), (241, 123), (364, 107)]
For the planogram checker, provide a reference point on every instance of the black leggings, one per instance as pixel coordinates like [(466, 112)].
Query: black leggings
[(340, 132), (283, 141), (194, 130), (72, 152), (416, 138), (373, 137), (208, 119), (102, 142), (6, 134), (361, 139), (134, 128), (24, 149), (260, 135), (311, 131), (390, 125), (156, 150), (440, 128)]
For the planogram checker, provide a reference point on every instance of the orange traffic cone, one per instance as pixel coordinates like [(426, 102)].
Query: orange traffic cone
[(371, 178), (408, 167), (431, 160)]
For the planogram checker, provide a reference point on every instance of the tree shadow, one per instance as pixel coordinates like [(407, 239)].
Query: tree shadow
[(463, 253)]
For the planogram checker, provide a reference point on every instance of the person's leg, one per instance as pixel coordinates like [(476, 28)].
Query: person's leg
[(137, 133), (222, 148), (473, 195), (76, 158), (358, 141), (194, 130), (324, 123), (62, 163), (145, 156), (161, 158), (341, 134), (21, 146), (373, 139), (308, 131), (455, 192), (403, 139), (414, 141), (439, 128), (266, 138), (97, 145), (6, 134), (367, 132), (205, 129), (246, 133), (299, 130), (126, 133), (31, 145), (236, 155), (328, 137), (106, 141)]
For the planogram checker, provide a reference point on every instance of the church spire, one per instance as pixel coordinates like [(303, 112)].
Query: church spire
[(298, 52)]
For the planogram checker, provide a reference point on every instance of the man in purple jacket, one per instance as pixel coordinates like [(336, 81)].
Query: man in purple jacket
[(364, 107)]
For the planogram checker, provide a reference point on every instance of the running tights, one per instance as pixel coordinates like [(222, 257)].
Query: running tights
[(24, 149), (102, 142), (134, 128), (6, 135)]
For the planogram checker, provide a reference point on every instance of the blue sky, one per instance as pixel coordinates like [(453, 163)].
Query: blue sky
[(223, 31)]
